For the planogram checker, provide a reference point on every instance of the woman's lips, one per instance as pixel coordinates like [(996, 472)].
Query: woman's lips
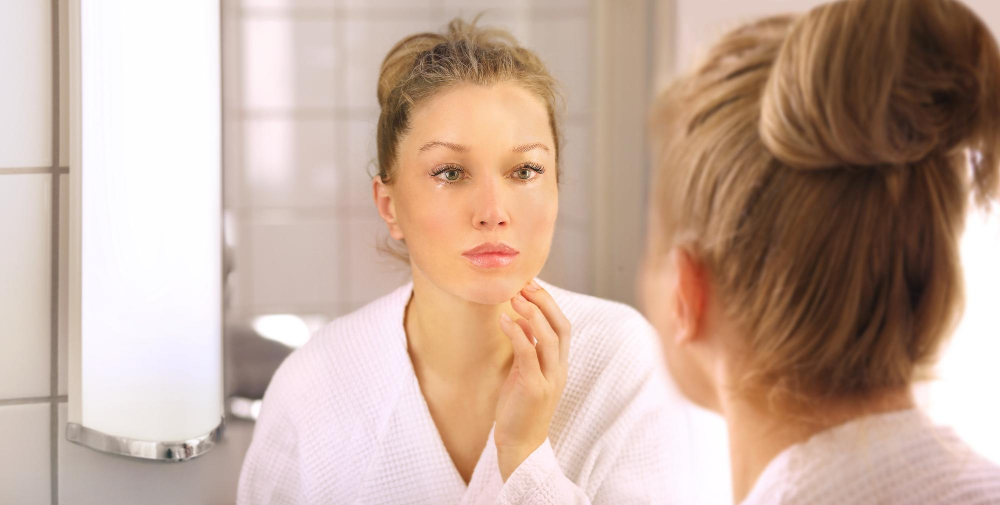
[(491, 255)]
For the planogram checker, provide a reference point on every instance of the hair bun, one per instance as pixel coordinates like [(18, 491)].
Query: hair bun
[(883, 82)]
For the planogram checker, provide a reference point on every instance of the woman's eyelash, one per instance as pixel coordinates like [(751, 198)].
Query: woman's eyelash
[(538, 169), (448, 168), (534, 167)]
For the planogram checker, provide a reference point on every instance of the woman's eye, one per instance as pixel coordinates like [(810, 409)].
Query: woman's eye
[(448, 174), (524, 173)]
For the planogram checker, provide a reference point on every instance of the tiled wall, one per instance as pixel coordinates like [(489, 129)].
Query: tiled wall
[(38, 465), (300, 122), (32, 167)]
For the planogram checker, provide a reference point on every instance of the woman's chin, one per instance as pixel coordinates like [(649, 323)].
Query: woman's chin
[(494, 291)]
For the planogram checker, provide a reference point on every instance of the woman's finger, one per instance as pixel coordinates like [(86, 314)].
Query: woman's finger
[(524, 352), (526, 328), (548, 341), (553, 314)]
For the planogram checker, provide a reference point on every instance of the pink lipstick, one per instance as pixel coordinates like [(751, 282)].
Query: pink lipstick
[(491, 255)]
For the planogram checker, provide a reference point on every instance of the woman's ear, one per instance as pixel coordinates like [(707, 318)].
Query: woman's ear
[(690, 294), (386, 206)]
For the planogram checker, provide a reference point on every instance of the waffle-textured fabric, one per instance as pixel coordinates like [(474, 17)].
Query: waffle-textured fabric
[(899, 458), (344, 421)]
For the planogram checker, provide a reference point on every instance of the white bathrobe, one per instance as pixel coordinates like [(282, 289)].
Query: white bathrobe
[(899, 458), (344, 421)]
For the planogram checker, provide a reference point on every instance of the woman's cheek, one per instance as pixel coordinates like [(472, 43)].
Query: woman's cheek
[(434, 221), (540, 220)]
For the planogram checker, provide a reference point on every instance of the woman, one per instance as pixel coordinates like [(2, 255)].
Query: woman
[(437, 392), (803, 265)]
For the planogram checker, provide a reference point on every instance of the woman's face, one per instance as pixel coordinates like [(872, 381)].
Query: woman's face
[(475, 195)]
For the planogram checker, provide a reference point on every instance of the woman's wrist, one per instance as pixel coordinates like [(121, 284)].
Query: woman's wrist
[(509, 458)]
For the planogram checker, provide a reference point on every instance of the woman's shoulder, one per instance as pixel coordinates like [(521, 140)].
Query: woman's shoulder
[(357, 354), (918, 462)]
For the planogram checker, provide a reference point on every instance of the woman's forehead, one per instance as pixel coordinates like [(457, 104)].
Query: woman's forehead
[(470, 114)]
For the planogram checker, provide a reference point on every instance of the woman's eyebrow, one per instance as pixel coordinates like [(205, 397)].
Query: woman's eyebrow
[(527, 147), (436, 143), (523, 148)]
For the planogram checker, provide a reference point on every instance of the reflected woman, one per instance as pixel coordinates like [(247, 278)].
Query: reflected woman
[(475, 383), (803, 262)]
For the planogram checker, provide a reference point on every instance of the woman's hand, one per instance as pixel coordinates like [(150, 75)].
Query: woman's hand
[(529, 396)]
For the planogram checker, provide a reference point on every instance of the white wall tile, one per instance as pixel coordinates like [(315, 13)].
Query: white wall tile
[(26, 86), (576, 197), (26, 476), (367, 43), (88, 477), (64, 104), (289, 63), (473, 6), (291, 163), (291, 261), (63, 315), (565, 45), (570, 263), (387, 6), (361, 160), (283, 4), (232, 101), (232, 159), (373, 272), (25, 274)]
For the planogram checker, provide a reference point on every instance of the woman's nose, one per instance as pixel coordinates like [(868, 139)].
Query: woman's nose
[(490, 213)]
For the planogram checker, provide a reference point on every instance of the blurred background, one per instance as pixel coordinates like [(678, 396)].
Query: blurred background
[(301, 232)]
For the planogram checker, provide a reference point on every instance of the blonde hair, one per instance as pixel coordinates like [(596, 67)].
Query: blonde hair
[(422, 65), (820, 167)]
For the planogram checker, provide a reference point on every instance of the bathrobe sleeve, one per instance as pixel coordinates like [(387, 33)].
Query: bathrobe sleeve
[(272, 470), (627, 466)]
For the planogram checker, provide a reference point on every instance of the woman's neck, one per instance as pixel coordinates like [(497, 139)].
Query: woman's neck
[(453, 338), (758, 432)]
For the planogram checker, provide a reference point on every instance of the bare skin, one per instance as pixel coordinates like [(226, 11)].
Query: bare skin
[(478, 166)]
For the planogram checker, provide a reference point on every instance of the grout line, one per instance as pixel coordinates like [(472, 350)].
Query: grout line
[(222, 202), (341, 226), (34, 170), (244, 284), (54, 294), (32, 400)]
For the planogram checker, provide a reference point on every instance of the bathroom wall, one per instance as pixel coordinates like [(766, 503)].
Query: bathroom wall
[(39, 466), (32, 172)]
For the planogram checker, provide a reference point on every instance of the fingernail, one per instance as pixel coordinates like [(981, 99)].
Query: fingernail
[(532, 286), (505, 317), (521, 298)]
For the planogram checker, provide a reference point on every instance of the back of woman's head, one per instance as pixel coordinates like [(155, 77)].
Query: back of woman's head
[(820, 168)]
